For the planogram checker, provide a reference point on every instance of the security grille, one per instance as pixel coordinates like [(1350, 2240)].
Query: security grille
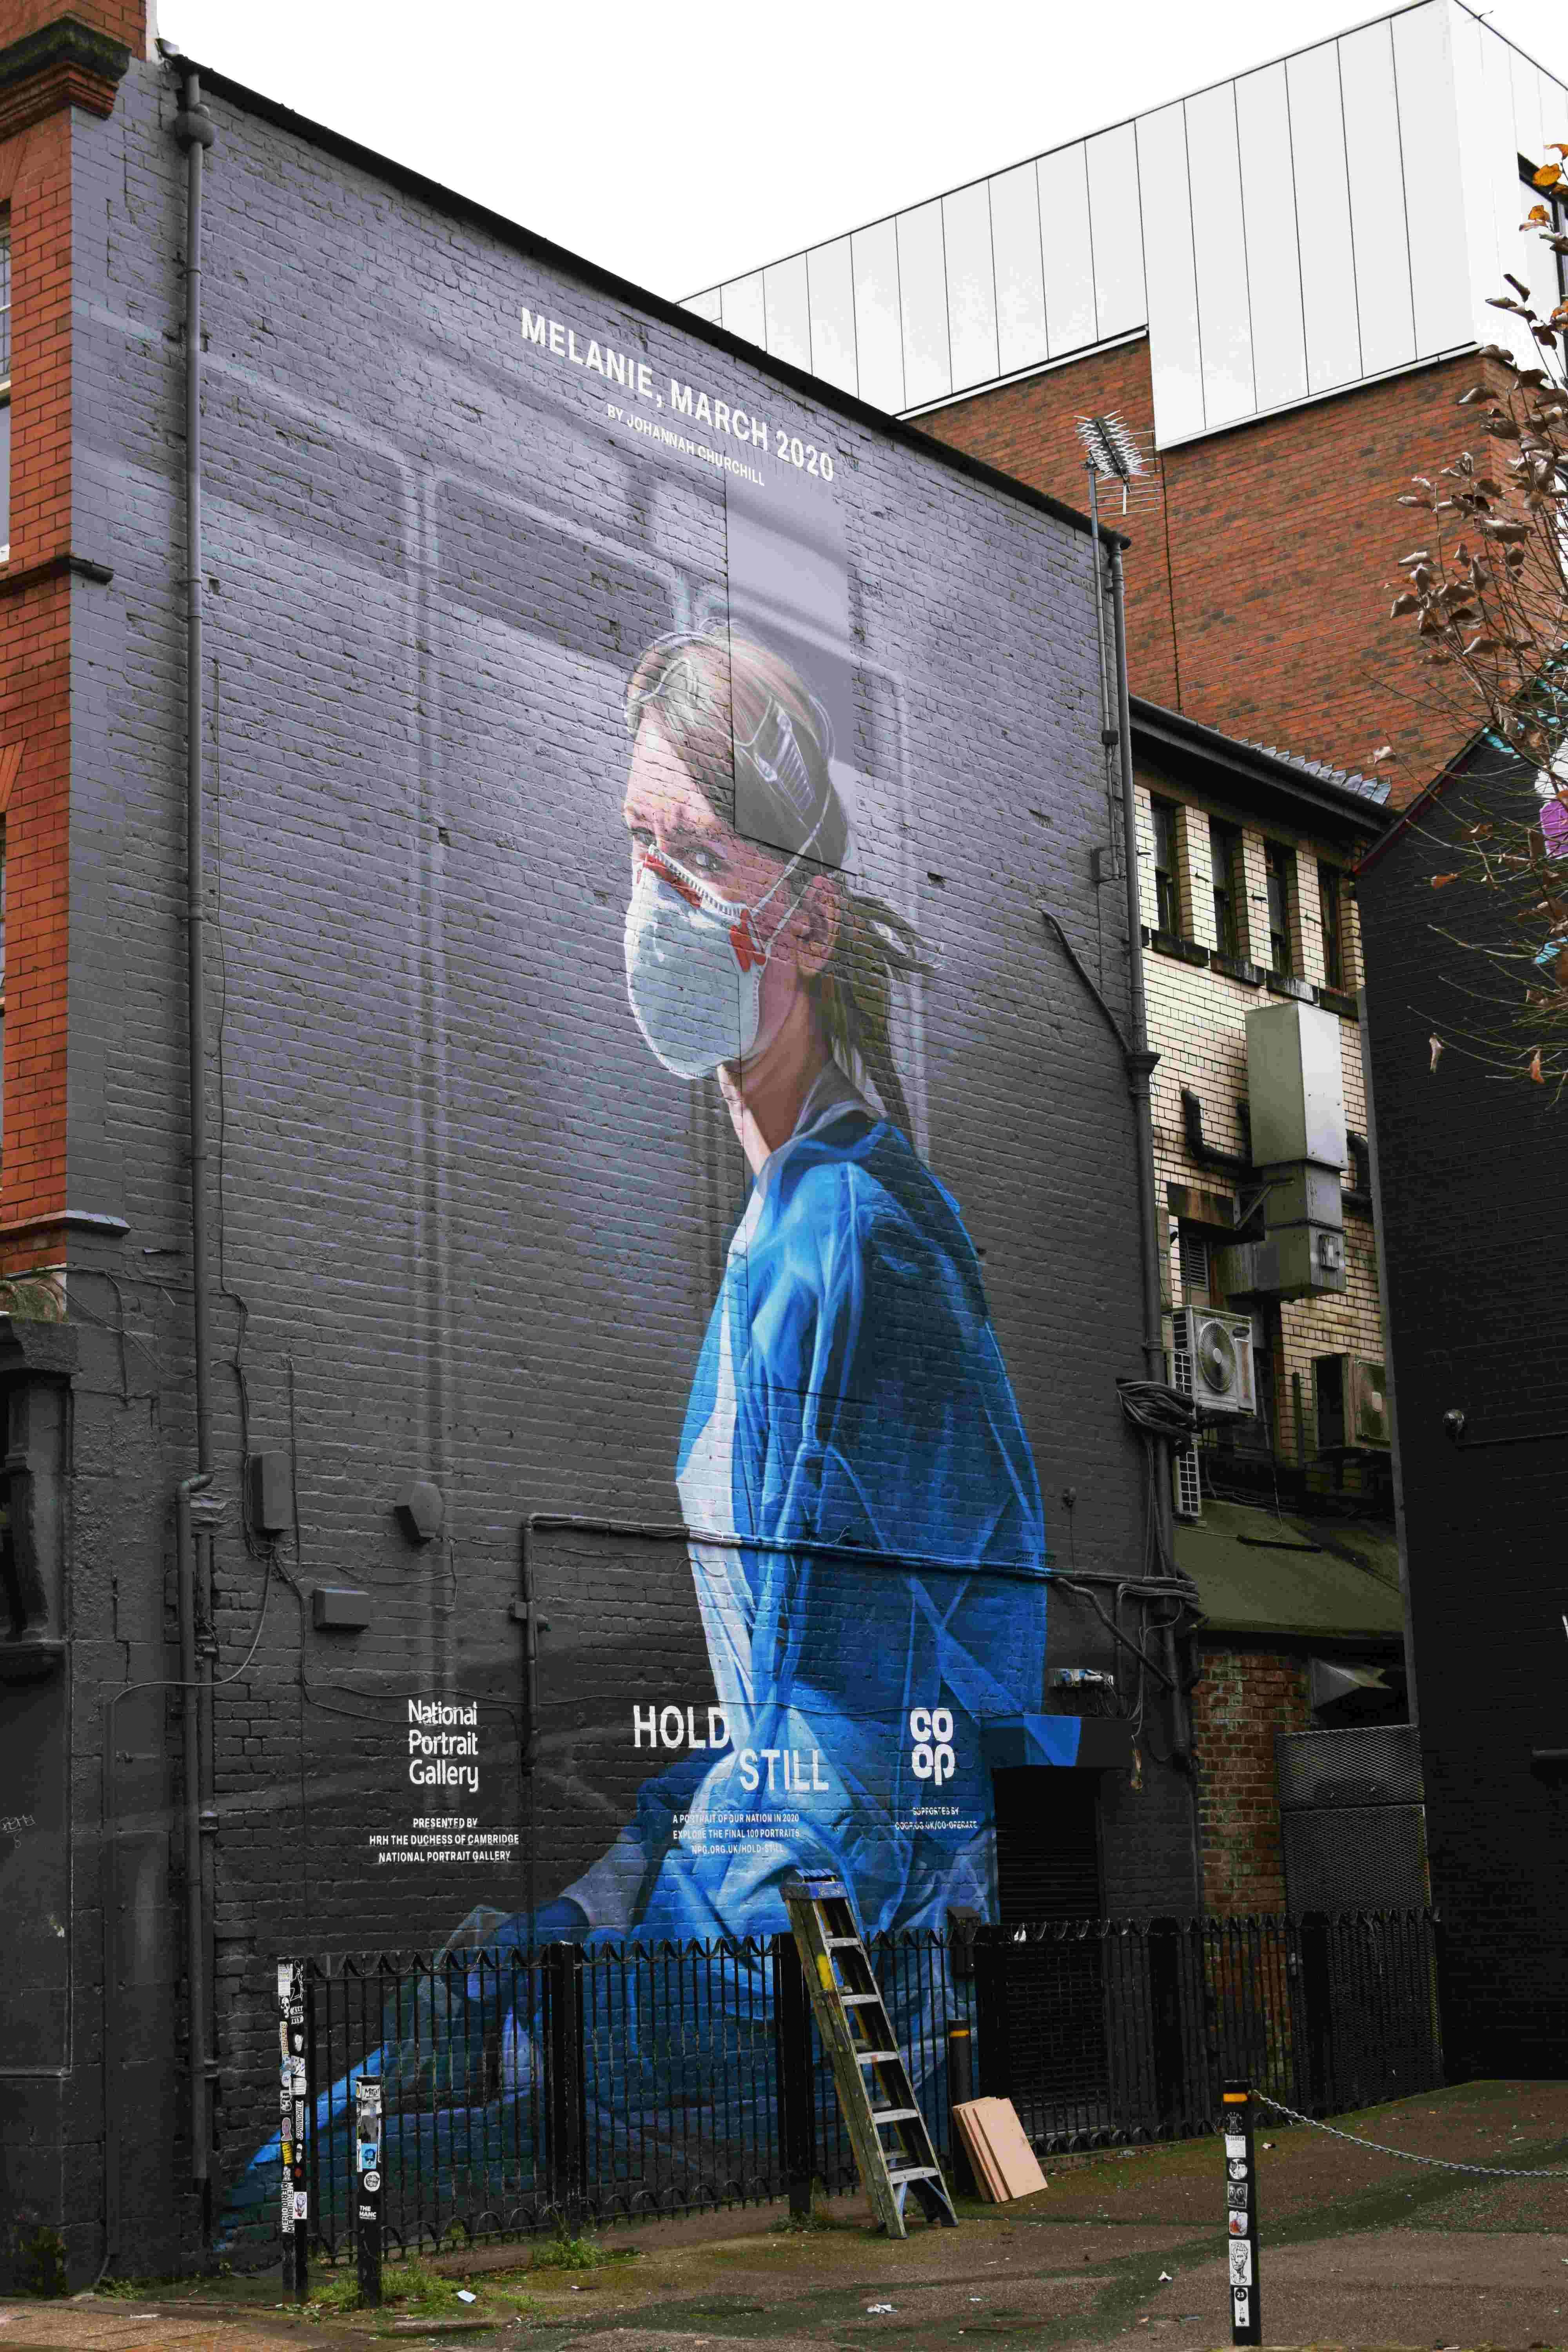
[(1352, 1819)]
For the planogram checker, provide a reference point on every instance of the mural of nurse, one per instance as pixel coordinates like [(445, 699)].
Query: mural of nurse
[(864, 1515), (867, 1534)]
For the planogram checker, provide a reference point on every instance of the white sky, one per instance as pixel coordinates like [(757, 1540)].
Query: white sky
[(681, 145)]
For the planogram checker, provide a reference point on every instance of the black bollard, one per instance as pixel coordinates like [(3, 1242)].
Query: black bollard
[(1241, 2214), (367, 2188), (959, 2090)]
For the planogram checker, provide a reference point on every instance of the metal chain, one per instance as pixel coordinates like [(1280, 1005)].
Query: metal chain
[(1407, 2156)]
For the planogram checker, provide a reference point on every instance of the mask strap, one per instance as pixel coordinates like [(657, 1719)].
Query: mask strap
[(778, 882)]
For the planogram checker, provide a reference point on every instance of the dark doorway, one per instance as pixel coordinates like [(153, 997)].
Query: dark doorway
[(1049, 1879)]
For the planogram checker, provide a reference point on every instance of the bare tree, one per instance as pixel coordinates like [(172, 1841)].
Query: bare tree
[(1487, 595)]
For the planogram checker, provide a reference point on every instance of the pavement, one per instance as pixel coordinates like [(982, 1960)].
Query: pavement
[(1358, 2251)]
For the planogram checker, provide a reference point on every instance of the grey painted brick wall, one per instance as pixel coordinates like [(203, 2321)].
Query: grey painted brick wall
[(467, 1228)]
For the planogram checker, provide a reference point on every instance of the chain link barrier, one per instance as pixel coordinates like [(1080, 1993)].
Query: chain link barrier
[(1408, 2156)]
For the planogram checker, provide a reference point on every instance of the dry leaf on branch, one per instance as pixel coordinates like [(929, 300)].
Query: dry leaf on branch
[(1437, 1044)]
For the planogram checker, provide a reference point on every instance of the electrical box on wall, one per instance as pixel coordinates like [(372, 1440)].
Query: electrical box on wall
[(269, 1493), (1296, 1089)]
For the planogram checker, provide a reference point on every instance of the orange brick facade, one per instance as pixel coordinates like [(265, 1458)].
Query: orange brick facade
[(34, 620), (1259, 584), (1243, 1697)]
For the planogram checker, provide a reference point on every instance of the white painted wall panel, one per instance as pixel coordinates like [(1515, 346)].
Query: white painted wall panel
[(1268, 198), (1434, 191), (743, 311), (1174, 357), (1219, 255), (706, 305), (1376, 176), (971, 285), (1498, 149), (922, 281), (1020, 269), (1115, 229), (1069, 255), (1528, 130), (1324, 215), (832, 284), (879, 330), (787, 306)]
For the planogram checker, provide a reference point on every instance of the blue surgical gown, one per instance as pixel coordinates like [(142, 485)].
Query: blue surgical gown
[(850, 1394)]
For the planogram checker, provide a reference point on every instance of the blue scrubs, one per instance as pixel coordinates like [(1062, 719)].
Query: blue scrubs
[(850, 1393)]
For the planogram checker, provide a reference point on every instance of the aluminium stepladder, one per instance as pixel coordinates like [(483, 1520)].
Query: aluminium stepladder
[(874, 2093)]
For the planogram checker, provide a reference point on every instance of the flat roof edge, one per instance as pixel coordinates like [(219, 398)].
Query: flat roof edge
[(624, 289)]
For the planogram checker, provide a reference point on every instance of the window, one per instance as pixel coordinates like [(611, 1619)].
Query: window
[(1225, 859), (1330, 901), (1194, 1268), (4, 390), (1281, 865), (1166, 901)]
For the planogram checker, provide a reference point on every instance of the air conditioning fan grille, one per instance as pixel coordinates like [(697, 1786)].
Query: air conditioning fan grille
[(1189, 1484)]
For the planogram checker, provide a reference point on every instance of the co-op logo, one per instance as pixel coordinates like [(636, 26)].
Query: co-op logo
[(931, 1758)]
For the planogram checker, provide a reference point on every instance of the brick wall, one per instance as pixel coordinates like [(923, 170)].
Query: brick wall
[(468, 1228), (1477, 1298), (1258, 587), (1242, 1698), (1197, 1025)]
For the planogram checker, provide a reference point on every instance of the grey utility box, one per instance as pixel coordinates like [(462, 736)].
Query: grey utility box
[(1296, 1090), (1295, 1086)]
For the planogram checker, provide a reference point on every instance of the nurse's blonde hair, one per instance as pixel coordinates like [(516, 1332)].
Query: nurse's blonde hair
[(722, 699)]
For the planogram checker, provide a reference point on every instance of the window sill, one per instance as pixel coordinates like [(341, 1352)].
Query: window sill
[(1170, 943), (1251, 975), (1334, 1000), (1281, 984)]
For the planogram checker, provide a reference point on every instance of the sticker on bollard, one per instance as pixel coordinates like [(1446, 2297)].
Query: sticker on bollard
[(367, 2223), (294, 2103), (1241, 2216)]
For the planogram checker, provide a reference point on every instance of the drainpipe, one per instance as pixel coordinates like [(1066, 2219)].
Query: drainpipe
[(193, 131), (1141, 1063)]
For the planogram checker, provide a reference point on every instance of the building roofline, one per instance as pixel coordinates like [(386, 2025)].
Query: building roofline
[(1117, 122), (1274, 774), (1462, 766), (215, 82)]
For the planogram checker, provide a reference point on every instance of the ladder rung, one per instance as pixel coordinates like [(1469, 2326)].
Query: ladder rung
[(876, 2057), (857, 1999), (916, 2172), (839, 1943), (894, 2115)]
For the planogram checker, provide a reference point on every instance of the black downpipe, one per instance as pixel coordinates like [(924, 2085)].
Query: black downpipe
[(194, 129), (1140, 1064)]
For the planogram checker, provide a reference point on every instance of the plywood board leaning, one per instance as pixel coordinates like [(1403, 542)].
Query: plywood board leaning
[(1005, 2163)]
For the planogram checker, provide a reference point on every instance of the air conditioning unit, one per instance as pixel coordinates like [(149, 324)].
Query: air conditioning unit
[(1212, 1359), (1350, 1394)]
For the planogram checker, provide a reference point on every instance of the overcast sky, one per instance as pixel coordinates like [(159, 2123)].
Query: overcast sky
[(681, 145)]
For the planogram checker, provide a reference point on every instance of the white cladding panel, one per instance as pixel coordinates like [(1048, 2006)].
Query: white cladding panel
[(1116, 219), (833, 314), (1328, 257), (971, 285), (1020, 269), (787, 306), (1377, 199), (878, 328), (1274, 263), (1434, 193), (1219, 255), (1175, 358), (706, 306), (922, 286), (744, 313), (1323, 220), (1069, 250)]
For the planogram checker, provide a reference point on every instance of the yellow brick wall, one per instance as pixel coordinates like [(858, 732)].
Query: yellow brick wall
[(1197, 1026)]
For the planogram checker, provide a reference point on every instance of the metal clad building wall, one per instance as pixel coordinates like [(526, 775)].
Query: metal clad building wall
[(1329, 218)]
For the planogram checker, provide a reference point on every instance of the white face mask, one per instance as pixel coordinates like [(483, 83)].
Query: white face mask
[(695, 964)]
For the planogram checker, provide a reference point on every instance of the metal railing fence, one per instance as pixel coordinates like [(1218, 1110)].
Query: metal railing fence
[(527, 2091)]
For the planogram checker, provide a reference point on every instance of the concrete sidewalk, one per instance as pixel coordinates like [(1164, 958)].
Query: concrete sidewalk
[(1359, 2251)]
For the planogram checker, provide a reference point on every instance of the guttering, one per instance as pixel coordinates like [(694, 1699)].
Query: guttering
[(193, 131), (1303, 798)]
